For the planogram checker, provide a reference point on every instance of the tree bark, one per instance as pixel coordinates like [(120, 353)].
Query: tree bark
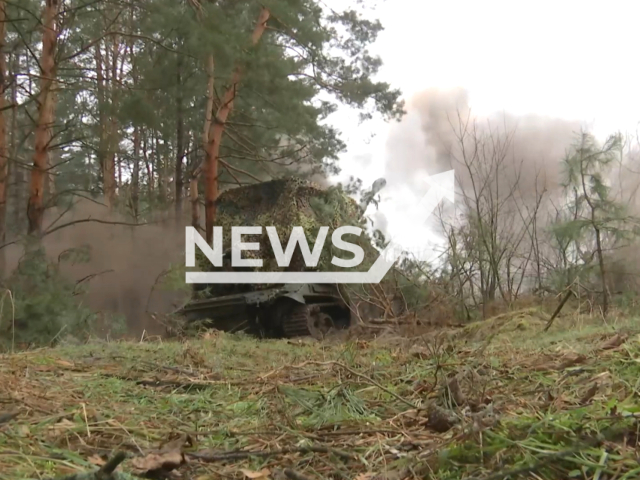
[(179, 182), (148, 164), (106, 73), (35, 207), (216, 131), (603, 272), (110, 181), (160, 166), (195, 204), (19, 179), (135, 178), (4, 158), (50, 180), (195, 174), (102, 123)]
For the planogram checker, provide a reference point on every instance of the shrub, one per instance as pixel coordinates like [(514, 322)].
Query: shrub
[(43, 306)]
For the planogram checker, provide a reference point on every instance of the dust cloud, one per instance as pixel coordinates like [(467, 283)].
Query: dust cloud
[(441, 132), (126, 265), (441, 122), (498, 158)]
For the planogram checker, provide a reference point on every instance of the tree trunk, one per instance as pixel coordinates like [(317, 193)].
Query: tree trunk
[(110, 183), (19, 180), (195, 203), (216, 131), (35, 207), (102, 118), (109, 171), (50, 180), (106, 72), (4, 157), (169, 169), (148, 165), (195, 174), (179, 183), (160, 167), (135, 178), (603, 276)]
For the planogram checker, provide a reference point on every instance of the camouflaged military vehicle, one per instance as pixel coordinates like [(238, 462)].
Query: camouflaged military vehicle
[(277, 311), (280, 311)]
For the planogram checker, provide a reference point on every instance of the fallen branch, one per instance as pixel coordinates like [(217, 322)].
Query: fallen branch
[(241, 455), (177, 385), (106, 472), (558, 309)]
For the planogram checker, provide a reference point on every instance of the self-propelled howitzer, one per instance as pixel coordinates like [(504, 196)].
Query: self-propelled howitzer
[(280, 310)]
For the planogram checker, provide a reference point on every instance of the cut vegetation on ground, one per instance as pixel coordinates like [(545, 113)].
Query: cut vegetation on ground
[(563, 404)]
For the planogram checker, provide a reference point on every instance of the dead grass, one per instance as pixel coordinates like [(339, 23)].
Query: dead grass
[(499, 398)]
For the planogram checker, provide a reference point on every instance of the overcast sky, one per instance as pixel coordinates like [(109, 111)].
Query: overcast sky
[(571, 59)]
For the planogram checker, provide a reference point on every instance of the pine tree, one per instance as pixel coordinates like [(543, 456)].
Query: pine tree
[(599, 221)]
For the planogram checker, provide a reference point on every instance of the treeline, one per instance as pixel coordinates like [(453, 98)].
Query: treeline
[(145, 104), (147, 109), (527, 232)]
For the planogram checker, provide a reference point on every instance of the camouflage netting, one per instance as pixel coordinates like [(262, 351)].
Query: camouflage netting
[(284, 204)]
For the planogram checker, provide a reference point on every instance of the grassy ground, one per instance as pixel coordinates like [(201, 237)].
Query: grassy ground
[(494, 399)]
